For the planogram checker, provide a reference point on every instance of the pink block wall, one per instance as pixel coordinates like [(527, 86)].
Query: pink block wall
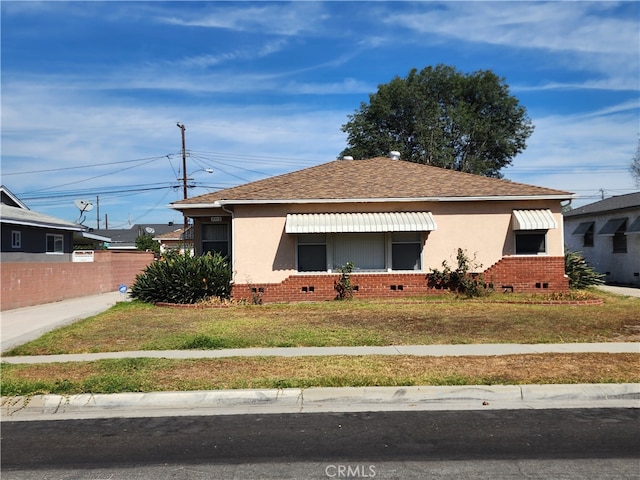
[(29, 283)]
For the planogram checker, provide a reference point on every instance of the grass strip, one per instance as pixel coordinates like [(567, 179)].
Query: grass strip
[(147, 375)]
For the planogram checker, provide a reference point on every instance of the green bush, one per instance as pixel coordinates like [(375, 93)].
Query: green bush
[(184, 279), (343, 286), (580, 273), (460, 280)]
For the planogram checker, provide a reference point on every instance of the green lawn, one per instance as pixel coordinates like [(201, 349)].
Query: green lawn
[(442, 320)]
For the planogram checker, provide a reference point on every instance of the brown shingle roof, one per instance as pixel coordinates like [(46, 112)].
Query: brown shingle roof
[(377, 178)]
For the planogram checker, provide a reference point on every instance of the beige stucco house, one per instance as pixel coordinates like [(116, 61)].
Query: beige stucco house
[(287, 236)]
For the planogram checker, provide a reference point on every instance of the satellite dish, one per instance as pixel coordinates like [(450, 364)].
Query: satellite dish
[(150, 230), (83, 205)]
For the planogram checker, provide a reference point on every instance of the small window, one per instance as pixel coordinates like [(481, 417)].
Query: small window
[(620, 239), (312, 253), (531, 242), (587, 240), (16, 239), (55, 243), (406, 248)]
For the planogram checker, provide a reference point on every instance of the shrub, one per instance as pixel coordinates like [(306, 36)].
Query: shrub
[(184, 279), (580, 273), (343, 286), (460, 280)]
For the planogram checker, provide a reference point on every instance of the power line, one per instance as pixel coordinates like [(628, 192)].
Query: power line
[(85, 166)]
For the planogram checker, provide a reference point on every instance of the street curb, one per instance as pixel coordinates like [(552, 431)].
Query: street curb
[(315, 400)]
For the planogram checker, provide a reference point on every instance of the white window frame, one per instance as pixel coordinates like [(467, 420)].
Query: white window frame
[(58, 244), (518, 233), (16, 239)]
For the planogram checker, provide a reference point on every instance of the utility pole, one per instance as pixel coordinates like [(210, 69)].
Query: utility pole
[(184, 186), (97, 212)]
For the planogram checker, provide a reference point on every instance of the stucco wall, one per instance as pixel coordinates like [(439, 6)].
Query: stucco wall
[(29, 283), (618, 267), (263, 253)]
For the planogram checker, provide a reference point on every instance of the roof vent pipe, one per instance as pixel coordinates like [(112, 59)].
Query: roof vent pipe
[(347, 158), (394, 155)]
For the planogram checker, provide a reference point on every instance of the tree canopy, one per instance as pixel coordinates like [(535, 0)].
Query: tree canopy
[(440, 116)]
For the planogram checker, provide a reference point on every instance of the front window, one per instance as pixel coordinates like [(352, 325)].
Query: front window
[(364, 250), (312, 253), (367, 251), (215, 238), (531, 242), (55, 243), (406, 248)]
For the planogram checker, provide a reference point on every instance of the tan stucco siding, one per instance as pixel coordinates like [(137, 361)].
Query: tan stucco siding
[(264, 253)]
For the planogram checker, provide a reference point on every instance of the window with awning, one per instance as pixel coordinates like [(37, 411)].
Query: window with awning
[(541, 219), (530, 230), (360, 222), (583, 228), (612, 227), (371, 241), (586, 229)]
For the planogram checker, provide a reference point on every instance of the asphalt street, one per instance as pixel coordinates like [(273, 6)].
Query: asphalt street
[(381, 445)]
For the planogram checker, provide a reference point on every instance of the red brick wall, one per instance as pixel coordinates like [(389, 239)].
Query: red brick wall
[(517, 274), (528, 274), (30, 283)]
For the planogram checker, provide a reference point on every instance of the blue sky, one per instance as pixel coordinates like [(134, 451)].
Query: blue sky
[(92, 91)]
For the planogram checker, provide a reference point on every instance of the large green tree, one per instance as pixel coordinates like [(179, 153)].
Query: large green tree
[(440, 116)]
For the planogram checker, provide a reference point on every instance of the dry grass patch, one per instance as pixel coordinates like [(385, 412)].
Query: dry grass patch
[(137, 326), (130, 375)]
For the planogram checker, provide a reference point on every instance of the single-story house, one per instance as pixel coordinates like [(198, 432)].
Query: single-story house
[(176, 240), (608, 235), (288, 236), (29, 236), (125, 238)]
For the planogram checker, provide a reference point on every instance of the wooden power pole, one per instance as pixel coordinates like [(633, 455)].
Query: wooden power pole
[(184, 187)]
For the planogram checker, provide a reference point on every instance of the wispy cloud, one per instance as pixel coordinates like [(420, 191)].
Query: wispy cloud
[(289, 19)]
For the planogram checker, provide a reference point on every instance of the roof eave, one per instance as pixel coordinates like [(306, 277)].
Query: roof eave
[(12, 221), (221, 203)]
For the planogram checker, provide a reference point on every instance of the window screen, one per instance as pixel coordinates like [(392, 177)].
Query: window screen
[(215, 238), (312, 253), (530, 243), (406, 248)]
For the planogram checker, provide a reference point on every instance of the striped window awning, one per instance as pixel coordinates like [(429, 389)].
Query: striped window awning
[(533, 220), (612, 226), (583, 228), (360, 222)]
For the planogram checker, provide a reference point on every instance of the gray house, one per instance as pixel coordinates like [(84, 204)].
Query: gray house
[(608, 235), (29, 236)]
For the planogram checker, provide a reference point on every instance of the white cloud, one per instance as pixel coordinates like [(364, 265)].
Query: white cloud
[(287, 19)]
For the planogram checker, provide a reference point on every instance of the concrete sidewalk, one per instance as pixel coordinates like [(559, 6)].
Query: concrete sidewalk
[(483, 349), (22, 325)]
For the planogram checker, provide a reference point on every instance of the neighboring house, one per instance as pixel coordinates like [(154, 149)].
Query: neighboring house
[(608, 235), (288, 236), (28, 236), (125, 238), (175, 240)]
